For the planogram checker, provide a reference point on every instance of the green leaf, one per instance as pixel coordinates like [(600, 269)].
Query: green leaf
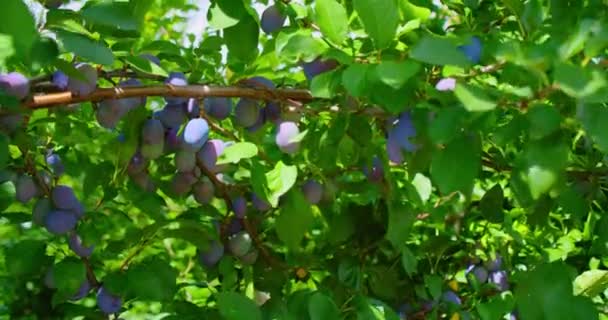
[(473, 98), (433, 49), (591, 283), (237, 151), (331, 18), (68, 275), (491, 204), (18, 23), (235, 306), (7, 194), (112, 14), (544, 120), (594, 117), (279, 181), (423, 186), (322, 307), (4, 142), (456, 167), (294, 220), (152, 280), (579, 82), (25, 258), (380, 19), (242, 39), (396, 73), (85, 47), (371, 309), (354, 79), (146, 66), (400, 221), (225, 14), (447, 124), (409, 261), (299, 46), (496, 307), (325, 84)]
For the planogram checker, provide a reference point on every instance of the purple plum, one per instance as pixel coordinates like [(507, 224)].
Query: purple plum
[(15, 84), (286, 132)]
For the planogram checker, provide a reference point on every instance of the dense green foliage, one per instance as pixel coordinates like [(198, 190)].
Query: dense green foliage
[(448, 162)]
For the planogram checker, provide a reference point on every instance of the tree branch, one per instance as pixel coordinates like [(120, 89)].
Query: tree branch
[(189, 91)]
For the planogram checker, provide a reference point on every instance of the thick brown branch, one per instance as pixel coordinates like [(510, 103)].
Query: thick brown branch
[(194, 91)]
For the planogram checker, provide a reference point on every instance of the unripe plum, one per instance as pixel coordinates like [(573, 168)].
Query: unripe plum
[(218, 107), (15, 84), (152, 132), (318, 66), (142, 179), (246, 112), (185, 160), (84, 86), (203, 191), (195, 134), (286, 132), (259, 123), (26, 189), (152, 151), (212, 255), (42, 207), (240, 243), (60, 222), (239, 207), (313, 191), (209, 153), (75, 243), (272, 19), (182, 182), (176, 79), (107, 302)]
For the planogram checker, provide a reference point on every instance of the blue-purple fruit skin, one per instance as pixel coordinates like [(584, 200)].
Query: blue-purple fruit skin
[(494, 264), (42, 207), (64, 198), (107, 302), (480, 273), (192, 108), (196, 133), (499, 279), (152, 151), (144, 181), (234, 226), (451, 297), (60, 222), (318, 66), (182, 183), (472, 50), (203, 191), (176, 79), (152, 132), (209, 153), (246, 112), (82, 291), (26, 189), (15, 84), (239, 207), (54, 161), (376, 172), (150, 57), (172, 115), (259, 82), (10, 123), (60, 80), (272, 19), (218, 107), (313, 191), (134, 102), (185, 160), (259, 204), (240, 243), (213, 254), (75, 243), (83, 86), (250, 257), (286, 132)]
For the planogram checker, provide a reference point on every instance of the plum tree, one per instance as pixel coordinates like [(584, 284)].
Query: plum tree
[(209, 153), (272, 19), (286, 132), (60, 222), (203, 191), (246, 112), (212, 255), (218, 107), (15, 84), (75, 243), (240, 243), (176, 79), (86, 82), (313, 191), (318, 66), (108, 302), (239, 206), (451, 297), (26, 189)]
